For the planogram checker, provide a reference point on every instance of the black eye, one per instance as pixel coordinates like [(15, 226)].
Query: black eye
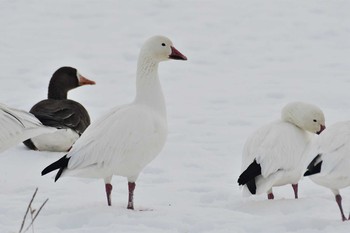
[(315, 120), (163, 44)]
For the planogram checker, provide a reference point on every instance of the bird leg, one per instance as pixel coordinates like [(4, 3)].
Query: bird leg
[(338, 200), (131, 186), (270, 195), (295, 188), (109, 188)]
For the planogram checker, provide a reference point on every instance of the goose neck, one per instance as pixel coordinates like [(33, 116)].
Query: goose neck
[(148, 88)]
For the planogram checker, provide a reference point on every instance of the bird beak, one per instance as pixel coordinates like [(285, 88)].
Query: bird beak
[(322, 128), (85, 81), (176, 55)]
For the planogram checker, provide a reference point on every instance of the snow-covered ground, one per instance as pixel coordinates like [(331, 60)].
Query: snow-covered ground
[(247, 59)]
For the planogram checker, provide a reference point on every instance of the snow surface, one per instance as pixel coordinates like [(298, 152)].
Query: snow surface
[(247, 59)]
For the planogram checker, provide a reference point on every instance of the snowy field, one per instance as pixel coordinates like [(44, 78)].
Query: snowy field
[(247, 59)]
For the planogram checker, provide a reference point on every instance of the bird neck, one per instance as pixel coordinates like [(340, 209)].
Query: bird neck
[(57, 92), (148, 89)]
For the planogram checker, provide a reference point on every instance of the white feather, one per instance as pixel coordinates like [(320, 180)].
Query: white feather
[(61, 140), (126, 139), (279, 147), (121, 143), (17, 126), (334, 146)]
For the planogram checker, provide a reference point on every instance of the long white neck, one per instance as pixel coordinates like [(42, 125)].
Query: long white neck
[(148, 89)]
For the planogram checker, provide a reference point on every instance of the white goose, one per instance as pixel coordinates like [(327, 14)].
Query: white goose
[(17, 126), (129, 137), (331, 166), (274, 154)]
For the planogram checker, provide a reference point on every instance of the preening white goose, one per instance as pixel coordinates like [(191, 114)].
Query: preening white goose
[(331, 164), (274, 154), (17, 126), (129, 137)]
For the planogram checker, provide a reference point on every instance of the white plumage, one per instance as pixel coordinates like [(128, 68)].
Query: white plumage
[(129, 137), (331, 166), (274, 154), (17, 126), (121, 143)]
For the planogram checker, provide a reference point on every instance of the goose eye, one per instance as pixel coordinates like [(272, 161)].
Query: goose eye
[(315, 120), (163, 44)]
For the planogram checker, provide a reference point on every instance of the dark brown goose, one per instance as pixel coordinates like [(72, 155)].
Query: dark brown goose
[(68, 116)]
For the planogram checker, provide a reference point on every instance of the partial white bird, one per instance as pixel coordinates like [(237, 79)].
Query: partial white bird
[(274, 154), (17, 126), (331, 166), (129, 137)]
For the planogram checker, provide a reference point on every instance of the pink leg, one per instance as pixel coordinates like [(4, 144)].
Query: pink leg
[(109, 188), (295, 188), (338, 200), (270, 196), (132, 186)]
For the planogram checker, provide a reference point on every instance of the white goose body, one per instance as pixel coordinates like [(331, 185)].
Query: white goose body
[(278, 147), (125, 140), (129, 137), (17, 126), (331, 161), (274, 154), (121, 143), (333, 145)]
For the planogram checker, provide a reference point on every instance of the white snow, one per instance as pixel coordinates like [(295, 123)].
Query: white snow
[(247, 59)]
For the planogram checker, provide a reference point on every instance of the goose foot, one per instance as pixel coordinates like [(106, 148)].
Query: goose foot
[(109, 188), (131, 186)]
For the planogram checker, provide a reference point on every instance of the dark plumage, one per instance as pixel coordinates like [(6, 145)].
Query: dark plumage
[(60, 164), (248, 176), (58, 111), (314, 167)]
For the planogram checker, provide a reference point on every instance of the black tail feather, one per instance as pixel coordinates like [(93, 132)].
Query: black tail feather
[(59, 173), (314, 168), (29, 143), (248, 176), (251, 185), (60, 164)]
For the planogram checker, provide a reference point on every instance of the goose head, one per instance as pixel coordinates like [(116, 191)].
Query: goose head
[(65, 79), (306, 116), (160, 48)]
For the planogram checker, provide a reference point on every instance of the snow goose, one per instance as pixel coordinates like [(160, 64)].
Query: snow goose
[(330, 166), (68, 116), (17, 125), (274, 154), (129, 137)]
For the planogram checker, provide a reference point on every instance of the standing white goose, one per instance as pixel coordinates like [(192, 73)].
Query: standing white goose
[(274, 155), (129, 137), (330, 167), (17, 126)]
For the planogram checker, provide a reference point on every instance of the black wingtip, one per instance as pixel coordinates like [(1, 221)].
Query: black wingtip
[(314, 167), (59, 173), (253, 170), (29, 143), (248, 176), (251, 185), (307, 173), (60, 164)]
